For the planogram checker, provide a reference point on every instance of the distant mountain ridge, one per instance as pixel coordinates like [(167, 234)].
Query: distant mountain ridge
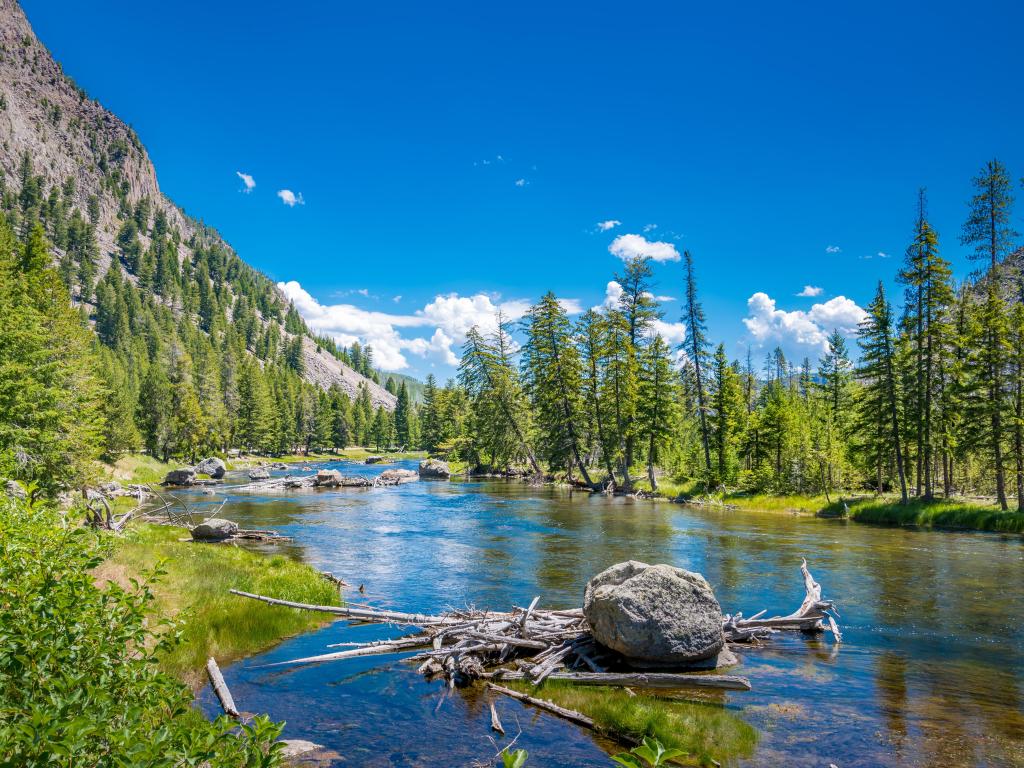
[(86, 159)]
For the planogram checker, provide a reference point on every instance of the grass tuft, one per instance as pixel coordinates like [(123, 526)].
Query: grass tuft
[(958, 514), (705, 731)]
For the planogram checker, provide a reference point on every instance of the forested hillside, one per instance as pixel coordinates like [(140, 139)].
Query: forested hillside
[(197, 352)]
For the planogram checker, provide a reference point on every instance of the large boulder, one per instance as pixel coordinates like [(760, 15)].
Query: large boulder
[(215, 529), (259, 473), (654, 615), (328, 478), (183, 476), (213, 467), (435, 468), (396, 476), (376, 460)]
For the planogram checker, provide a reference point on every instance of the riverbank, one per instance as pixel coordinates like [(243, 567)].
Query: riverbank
[(956, 514), (192, 590)]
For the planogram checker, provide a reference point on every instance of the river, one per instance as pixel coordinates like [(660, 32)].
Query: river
[(929, 673)]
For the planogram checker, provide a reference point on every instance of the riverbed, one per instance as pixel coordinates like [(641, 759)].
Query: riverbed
[(930, 671)]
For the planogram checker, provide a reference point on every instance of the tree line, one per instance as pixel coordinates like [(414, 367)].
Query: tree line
[(933, 405)]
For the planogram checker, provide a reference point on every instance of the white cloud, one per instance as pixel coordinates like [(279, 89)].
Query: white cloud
[(636, 246), (665, 298), (289, 198), (806, 330), (673, 333), (810, 290), (249, 181), (883, 255), (612, 292), (571, 306), (604, 226), (650, 227), (833, 249), (397, 298), (521, 182)]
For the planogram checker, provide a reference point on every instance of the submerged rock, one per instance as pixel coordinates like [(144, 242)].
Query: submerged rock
[(215, 529), (213, 467), (654, 615), (259, 473), (183, 476), (396, 476), (435, 468)]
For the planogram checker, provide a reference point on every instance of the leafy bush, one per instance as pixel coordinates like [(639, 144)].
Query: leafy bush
[(78, 680)]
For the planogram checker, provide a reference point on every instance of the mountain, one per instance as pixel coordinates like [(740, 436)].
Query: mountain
[(70, 163)]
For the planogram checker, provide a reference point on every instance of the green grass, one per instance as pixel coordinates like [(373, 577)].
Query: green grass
[(194, 591), (941, 513), (705, 731), (140, 468), (764, 502)]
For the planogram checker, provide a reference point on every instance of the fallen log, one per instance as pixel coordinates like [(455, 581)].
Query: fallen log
[(548, 706), (644, 679), (392, 646), (495, 722), (220, 688), (386, 617)]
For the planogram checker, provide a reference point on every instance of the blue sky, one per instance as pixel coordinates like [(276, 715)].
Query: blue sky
[(755, 135)]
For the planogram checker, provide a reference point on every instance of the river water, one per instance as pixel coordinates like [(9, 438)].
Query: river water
[(930, 672)]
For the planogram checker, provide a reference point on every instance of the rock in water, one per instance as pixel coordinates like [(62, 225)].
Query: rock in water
[(259, 473), (396, 476), (354, 481), (184, 476), (328, 478), (215, 529), (654, 615), (375, 460), (212, 467), (435, 468)]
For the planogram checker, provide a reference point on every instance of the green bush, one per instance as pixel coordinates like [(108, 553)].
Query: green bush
[(79, 685)]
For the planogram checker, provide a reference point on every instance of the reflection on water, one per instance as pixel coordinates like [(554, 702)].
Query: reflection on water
[(929, 674)]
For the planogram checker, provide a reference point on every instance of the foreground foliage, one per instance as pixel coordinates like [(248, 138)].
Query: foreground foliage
[(79, 683)]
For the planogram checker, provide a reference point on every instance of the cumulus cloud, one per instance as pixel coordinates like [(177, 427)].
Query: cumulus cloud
[(810, 290), (571, 306), (289, 198), (833, 249), (247, 180), (612, 292), (637, 246), (604, 226), (807, 330), (450, 316)]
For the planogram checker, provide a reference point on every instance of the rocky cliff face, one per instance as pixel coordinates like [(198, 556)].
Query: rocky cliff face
[(73, 141)]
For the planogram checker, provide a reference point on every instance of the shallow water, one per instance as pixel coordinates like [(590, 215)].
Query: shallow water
[(930, 672)]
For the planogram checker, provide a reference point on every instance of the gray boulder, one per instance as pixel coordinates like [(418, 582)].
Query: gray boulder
[(259, 473), (396, 477), (375, 460), (654, 615), (355, 481), (13, 490), (213, 467), (328, 478), (435, 468), (183, 476), (215, 529)]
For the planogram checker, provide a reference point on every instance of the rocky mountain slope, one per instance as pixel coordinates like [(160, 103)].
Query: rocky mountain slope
[(101, 169)]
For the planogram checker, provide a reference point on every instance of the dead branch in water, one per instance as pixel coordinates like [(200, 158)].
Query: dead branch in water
[(220, 688)]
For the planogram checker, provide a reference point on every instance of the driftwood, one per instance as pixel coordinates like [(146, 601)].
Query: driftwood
[(466, 645), (813, 615), (220, 688), (569, 714)]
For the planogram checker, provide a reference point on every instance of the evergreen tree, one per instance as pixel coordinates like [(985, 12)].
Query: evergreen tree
[(402, 417), (726, 400), (697, 350), (656, 402)]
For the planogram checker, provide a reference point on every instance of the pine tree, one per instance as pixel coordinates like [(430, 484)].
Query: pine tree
[(988, 227), (402, 416), (726, 400), (879, 417), (430, 418), (697, 350), (590, 342), (552, 372)]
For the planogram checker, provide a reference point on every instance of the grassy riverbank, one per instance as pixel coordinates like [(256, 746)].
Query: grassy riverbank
[(705, 731), (953, 514), (193, 590)]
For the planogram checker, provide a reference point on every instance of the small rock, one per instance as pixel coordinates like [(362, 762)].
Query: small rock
[(375, 459), (259, 473), (215, 529), (279, 465), (183, 476), (212, 467), (396, 477), (654, 615), (354, 481), (298, 747), (435, 468)]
